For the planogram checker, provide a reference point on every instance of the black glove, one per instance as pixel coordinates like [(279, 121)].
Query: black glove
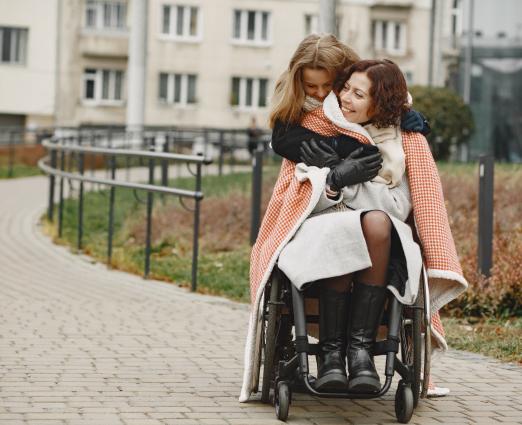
[(319, 154), (415, 121), (354, 169)]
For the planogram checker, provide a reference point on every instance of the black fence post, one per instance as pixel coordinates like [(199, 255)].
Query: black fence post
[(112, 194), (148, 235), (195, 241), (81, 164), (11, 152), (205, 141), (485, 222), (165, 166), (60, 205), (221, 151), (257, 181), (165, 163), (50, 208)]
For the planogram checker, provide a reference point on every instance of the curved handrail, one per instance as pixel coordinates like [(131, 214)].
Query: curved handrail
[(109, 182), (55, 169), (126, 152)]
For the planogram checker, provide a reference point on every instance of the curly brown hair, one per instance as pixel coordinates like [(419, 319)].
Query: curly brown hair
[(388, 92)]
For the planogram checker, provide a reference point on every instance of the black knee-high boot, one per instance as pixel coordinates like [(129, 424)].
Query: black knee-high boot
[(332, 341), (366, 307)]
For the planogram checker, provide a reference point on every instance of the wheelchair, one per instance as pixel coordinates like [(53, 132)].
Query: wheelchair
[(284, 348)]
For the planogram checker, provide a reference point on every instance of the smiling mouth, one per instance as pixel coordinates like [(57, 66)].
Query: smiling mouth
[(345, 109)]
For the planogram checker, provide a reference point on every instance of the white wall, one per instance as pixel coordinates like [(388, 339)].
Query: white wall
[(30, 89)]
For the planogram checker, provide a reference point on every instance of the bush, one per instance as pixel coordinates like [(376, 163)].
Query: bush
[(450, 118), (501, 294)]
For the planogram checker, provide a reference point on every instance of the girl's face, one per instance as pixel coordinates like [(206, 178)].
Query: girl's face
[(317, 83), (355, 98)]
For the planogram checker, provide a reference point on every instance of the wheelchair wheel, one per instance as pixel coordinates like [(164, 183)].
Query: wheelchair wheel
[(282, 400), (411, 345), (270, 342), (403, 403)]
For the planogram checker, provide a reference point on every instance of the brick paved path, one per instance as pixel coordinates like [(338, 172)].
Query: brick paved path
[(80, 344)]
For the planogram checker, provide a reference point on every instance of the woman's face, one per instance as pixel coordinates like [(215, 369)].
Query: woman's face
[(317, 83), (355, 98)]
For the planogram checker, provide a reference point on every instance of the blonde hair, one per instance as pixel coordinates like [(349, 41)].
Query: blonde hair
[(315, 52)]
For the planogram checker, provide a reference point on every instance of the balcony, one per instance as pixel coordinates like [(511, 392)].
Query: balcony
[(393, 3), (450, 46), (114, 44)]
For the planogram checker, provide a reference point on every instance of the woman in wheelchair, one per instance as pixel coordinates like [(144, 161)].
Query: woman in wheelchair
[(341, 201), (373, 94)]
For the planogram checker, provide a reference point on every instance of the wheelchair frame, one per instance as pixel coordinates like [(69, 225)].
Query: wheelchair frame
[(282, 356)]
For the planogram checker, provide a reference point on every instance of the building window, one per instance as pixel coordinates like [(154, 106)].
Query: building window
[(13, 45), (249, 93), (108, 15), (311, 24), (456, 23), (389, 36), (251, 27), (103, 85), (177, 89), (181, 22)]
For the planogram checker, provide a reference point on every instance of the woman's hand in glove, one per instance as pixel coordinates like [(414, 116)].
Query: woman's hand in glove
[(354, 169), (319, 154), (415, 121)]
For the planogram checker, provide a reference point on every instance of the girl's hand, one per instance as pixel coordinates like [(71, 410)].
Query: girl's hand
[(319, 154), (415, 121)]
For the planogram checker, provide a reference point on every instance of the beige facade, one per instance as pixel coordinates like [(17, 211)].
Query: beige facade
[(209, 63), (27, 62)]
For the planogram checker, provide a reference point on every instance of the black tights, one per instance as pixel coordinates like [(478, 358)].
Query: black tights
[(377, 228)]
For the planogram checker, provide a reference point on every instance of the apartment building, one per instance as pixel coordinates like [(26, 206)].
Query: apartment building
[(211, 63), (28, 62)]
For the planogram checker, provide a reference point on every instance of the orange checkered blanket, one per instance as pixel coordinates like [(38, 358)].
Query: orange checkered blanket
[(291, 203)]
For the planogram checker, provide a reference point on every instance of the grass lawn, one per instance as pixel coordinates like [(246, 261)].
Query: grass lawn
[(224, 248), (221, 271), (497, 338), (19, 170)]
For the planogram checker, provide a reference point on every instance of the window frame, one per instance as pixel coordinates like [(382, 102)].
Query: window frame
[(183, 86), (98, 78), (185, 35), (17, 45), (259, 29), (243, 94), (99, 10), (384, 36), (311, 23)]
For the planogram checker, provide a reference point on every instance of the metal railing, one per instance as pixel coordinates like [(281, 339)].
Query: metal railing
[(223, 145), (55, 166)]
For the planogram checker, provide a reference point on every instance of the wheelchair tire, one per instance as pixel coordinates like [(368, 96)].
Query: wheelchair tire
[(282, 401), (403, 403), (270, 342), (411, 348)]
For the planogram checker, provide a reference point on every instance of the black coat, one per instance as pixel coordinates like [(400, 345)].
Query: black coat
[(288, 138)]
